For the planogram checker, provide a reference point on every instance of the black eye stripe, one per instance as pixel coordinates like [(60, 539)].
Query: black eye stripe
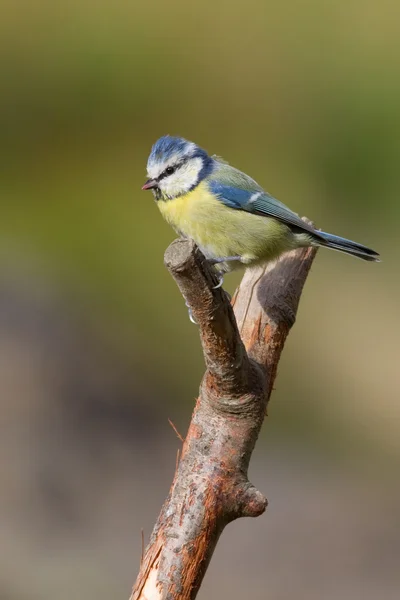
[(169, 171)]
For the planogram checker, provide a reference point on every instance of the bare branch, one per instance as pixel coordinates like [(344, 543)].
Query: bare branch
[(266, 304), (210, 486)]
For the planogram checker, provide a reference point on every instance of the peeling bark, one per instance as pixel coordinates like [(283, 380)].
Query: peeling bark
[(210, 487)]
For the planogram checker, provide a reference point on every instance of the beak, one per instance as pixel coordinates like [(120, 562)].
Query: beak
[(150, 184)]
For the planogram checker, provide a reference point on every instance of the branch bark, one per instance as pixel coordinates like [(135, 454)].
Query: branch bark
[(210, 487)]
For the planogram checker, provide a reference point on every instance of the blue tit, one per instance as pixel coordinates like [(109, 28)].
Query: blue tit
[(227, 214)]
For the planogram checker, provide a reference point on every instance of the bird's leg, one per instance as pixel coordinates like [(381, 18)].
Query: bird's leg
[(216, 261)]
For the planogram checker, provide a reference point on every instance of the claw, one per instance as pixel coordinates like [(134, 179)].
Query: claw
[(220, 282), (191, 317), (220, 261)]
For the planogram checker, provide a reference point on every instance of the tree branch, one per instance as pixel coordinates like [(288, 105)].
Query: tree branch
[(210, 486)]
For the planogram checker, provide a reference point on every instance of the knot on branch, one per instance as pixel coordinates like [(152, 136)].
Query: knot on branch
[(244, 396), (251, 502), (241, 499)]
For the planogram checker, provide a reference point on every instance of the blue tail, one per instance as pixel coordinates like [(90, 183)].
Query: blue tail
[(338, 243)]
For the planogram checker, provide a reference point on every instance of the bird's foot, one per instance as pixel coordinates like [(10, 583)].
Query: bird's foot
[(218, 261)]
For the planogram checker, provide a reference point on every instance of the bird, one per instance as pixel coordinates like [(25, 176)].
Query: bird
[(230, 217)]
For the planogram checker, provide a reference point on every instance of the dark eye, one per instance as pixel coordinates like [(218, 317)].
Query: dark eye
[(169, 170)]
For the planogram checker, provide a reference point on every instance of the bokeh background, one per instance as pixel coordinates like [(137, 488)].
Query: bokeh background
[(96, 350)]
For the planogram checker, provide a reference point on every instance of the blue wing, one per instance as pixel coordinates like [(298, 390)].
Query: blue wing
[(258, 202)]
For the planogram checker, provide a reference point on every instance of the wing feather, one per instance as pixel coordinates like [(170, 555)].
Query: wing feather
[(238, 190)]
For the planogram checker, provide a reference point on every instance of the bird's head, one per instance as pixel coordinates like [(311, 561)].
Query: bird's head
[(175, 167)]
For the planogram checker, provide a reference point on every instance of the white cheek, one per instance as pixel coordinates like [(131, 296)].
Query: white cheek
[(183, 180)]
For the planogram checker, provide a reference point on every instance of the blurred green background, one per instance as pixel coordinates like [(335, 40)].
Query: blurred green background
[(96, 350)]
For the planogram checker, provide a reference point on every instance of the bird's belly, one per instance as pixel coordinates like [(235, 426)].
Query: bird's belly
[(221, 231)]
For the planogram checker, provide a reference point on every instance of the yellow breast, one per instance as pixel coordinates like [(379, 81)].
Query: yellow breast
[(222, 231), (188, 213)]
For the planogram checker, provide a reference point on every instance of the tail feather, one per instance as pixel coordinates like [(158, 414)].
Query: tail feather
[(343, 245)]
